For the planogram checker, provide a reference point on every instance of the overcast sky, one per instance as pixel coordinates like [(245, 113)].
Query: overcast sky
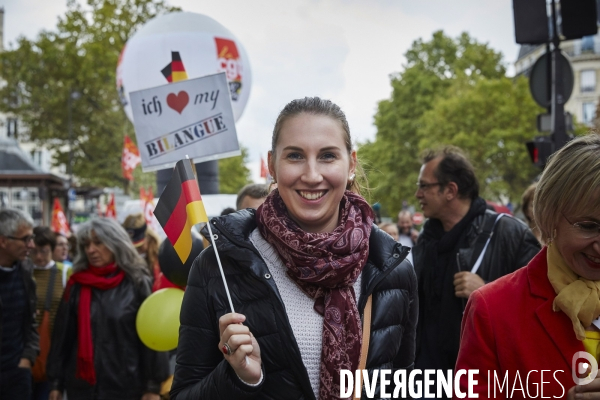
[(343, 50)]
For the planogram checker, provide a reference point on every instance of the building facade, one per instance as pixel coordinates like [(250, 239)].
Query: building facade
[(584, 56)]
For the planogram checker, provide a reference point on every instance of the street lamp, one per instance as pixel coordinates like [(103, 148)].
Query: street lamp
[(73, 95)]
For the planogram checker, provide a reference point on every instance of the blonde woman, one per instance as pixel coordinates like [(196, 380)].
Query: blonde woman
[(540, 317)]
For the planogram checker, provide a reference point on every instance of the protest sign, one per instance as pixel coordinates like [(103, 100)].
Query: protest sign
[(187, 118)]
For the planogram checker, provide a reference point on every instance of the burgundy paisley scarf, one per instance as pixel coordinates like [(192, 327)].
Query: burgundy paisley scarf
[(325, 266)]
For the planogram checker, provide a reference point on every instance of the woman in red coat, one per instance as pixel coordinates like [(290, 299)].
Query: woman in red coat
[(525, 331)]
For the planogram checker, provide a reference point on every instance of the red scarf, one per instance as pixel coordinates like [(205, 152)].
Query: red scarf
[(98, 278), (325, 266)]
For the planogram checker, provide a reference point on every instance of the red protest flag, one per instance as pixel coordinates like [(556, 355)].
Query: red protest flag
[(264, 171), (111, 211), (147, 200), (130, 158), (143, 196), (180, 207), (59, 220)]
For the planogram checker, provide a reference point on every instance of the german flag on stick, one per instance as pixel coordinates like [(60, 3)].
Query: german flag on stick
[(179, 208)]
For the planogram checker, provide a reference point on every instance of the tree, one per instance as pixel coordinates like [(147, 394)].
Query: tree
[(490, 120), (79, 55), (442, 69), (233, 173)]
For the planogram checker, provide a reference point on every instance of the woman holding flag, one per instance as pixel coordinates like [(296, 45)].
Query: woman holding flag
[(96, 352), (304, 271)]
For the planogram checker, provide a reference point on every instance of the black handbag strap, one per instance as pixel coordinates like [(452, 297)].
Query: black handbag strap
[(50, 290)]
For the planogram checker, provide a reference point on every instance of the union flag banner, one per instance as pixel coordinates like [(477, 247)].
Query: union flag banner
[(130, 158), (180, 207), (111, 210), (59, 220)]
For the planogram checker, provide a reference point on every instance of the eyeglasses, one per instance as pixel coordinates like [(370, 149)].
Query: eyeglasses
[(425, 186), (45, 252), (585, 229), (24, 239), (67, 245)]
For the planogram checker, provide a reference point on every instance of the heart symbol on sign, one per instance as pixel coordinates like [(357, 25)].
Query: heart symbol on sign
[(178, 101)]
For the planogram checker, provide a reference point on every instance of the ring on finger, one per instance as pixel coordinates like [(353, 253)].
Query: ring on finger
[(226, 349)]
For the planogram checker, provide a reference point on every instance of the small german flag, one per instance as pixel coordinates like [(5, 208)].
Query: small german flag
[(175, 71), (180, 207)]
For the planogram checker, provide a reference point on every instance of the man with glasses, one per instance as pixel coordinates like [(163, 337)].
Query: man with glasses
[(463, 245), (19, 340)]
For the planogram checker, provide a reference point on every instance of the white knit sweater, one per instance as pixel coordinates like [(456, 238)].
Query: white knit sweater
[(306, 323)]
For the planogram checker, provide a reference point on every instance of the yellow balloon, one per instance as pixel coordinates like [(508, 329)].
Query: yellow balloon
[(157, 320)]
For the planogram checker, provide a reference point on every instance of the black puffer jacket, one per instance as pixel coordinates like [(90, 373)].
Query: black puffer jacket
[(125, 367), (202, 372)]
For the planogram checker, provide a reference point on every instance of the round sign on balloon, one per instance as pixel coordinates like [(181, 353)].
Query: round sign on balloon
[(179, 46)]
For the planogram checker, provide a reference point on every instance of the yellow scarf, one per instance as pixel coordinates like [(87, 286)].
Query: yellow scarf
[(577, 297)]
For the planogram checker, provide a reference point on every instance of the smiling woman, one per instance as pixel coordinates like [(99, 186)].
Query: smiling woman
[(306, 257), (545, 315), (312, 167)]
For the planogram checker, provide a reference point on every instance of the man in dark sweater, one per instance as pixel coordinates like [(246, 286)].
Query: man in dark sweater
[(19, 340)]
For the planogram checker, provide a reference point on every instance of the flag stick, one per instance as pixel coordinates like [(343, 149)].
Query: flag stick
[(212, 240)]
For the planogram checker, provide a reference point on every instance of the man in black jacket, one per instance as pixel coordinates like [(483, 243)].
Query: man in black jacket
[(447, 252), (19, 340)]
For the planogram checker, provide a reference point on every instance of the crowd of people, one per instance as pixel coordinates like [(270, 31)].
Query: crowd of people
[(316, 285)]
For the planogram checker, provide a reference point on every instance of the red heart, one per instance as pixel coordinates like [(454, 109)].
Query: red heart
[(178, 101)]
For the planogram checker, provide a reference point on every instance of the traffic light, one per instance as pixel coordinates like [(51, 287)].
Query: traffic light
[(540, 149), (579, 18), (531, 21)]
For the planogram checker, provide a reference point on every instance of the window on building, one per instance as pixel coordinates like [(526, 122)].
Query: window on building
[(589, 113), (587, 44), (588, 80), (36, 157), (12, 128)]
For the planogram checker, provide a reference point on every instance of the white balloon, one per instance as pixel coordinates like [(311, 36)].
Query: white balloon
[(204, 46)]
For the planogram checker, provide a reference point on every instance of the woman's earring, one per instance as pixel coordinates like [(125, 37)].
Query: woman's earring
[(552, 238), (350, 181)]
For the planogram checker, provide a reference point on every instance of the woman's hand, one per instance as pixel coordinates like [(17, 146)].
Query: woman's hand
[(55, 395), (151, 396), (245, 353), (589, 391)]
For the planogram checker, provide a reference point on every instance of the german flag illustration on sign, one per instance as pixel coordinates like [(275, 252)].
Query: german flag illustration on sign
[(229, 61), (175, 71), (180, 207)]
